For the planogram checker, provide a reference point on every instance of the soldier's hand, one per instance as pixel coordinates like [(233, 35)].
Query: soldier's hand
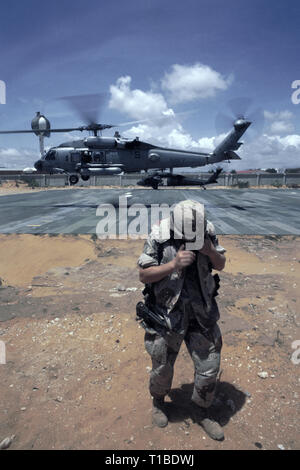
[(184, 258), (208, 247)]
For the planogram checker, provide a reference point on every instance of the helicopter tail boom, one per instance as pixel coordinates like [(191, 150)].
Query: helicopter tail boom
[(229, 155), (225, 150)]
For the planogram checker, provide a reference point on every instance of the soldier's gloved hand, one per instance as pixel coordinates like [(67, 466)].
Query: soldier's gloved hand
[(184, 258)]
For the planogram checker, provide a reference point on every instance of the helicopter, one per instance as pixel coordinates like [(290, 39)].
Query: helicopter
[(101, 155), (156, 179)]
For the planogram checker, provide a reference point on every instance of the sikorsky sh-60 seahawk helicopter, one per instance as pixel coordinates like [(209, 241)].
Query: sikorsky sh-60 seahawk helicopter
[(99, 155)]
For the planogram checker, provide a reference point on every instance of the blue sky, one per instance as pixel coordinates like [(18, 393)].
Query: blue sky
[(153, 57)]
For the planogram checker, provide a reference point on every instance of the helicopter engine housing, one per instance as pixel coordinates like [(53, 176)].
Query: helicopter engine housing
[(100, 142)]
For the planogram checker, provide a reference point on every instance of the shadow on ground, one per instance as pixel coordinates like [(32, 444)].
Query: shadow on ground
[(228, 401)]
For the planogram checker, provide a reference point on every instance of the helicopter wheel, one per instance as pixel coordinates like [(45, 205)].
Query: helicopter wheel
[(73, 179), (85, 177), (155, 185)]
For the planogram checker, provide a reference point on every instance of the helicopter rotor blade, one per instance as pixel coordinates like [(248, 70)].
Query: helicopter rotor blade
[(239, 106), (91, 127), (17, 132), (88, 107), (223, 123), (41, 131), (257, 118), (159, 120), (239, 109)]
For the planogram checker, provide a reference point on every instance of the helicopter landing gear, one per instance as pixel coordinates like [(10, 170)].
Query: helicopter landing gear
[(155, 185), (85, 177), (73, 179)]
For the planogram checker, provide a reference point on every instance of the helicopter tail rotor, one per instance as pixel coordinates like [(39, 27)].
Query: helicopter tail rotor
[(238, 112)]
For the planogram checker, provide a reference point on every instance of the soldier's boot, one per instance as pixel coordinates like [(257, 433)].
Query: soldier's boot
[(210, 426), (159, 417)]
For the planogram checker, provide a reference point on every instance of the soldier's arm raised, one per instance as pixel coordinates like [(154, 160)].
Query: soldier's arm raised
[(157, 273), (217, 259)]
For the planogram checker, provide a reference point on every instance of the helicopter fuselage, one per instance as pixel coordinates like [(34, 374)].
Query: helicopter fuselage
[(113, 155), (105, 155)]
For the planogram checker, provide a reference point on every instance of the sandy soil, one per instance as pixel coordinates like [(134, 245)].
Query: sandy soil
[(76, 373)]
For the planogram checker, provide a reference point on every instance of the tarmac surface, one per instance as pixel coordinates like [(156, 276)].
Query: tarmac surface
[(78, 211)]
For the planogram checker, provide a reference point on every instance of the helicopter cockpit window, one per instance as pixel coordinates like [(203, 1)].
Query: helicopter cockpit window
[(50, 155)]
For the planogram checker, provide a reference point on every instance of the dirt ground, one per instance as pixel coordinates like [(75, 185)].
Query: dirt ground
[(76, 372)]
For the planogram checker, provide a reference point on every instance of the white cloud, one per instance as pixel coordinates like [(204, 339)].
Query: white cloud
[(136, 103), (211, 142), (9, 152), (270, 151), (279, 115), (281, 127), (14, 158), (173, 135), (158, 123), (290, 140), (168, 135), (190, 82), (279, 122), (183, 83), (177, 138)]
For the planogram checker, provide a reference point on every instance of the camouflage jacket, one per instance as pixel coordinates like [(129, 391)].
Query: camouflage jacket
[(166, 293)]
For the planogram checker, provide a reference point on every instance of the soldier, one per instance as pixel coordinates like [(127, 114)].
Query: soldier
[(181, 288)]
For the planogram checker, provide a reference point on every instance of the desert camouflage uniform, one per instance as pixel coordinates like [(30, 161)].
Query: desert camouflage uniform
[(186, 300)]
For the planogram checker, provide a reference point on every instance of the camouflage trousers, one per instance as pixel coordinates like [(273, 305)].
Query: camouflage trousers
[(205, 351)]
